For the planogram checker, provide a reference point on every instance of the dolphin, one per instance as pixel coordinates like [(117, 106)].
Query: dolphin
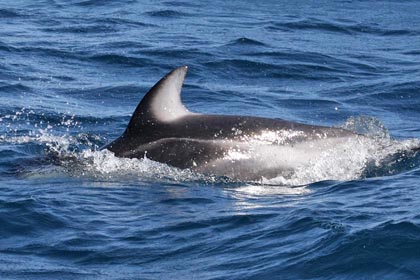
[(243, 148)]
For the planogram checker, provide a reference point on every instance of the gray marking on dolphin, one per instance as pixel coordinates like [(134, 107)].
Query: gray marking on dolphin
[(240, 147)]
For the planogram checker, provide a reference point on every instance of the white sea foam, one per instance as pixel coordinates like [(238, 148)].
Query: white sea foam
[(105, 165)]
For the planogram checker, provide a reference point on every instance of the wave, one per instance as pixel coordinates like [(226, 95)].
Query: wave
[(126, 23), (383, 247), (167, 14), (384, 94), (86, 55), (122, 59), (355, 66), (83, 28), (285, 70), (99, 3), (244, 41), (9, 13), (32, 218), (331, 26), (15, 88)]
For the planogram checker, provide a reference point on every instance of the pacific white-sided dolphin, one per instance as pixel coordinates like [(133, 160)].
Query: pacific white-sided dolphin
[(240, 147)]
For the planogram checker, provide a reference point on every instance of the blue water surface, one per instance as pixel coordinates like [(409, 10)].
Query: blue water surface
[(72, 72)]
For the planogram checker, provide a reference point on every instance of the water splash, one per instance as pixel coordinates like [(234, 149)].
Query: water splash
[(105, 165), (367, 125), (356, 159)]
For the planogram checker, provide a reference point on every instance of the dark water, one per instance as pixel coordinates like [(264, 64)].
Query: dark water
[(72, 72)]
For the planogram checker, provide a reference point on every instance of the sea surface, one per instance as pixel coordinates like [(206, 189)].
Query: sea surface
[(72, 72)]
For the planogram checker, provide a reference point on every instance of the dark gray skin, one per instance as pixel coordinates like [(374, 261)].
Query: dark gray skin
[(163, 130)]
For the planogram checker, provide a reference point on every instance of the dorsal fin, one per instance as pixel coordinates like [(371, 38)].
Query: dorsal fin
[(163, 101)]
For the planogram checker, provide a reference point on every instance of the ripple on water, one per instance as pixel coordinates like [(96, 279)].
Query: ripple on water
[(27, 217), (322, 25), (167, 14)]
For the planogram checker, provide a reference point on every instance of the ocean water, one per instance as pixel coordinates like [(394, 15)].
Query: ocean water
[(72, 73)]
